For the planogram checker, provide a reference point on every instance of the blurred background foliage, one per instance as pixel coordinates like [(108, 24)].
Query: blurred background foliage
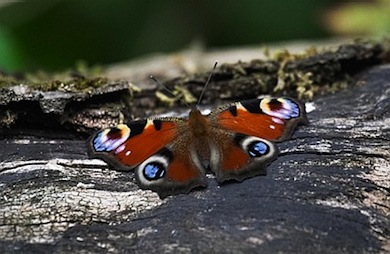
[(55, 34)]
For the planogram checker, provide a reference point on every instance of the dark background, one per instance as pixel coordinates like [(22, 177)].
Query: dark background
[(55, 34)]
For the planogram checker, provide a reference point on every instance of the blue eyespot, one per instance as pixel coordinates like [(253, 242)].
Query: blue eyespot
[(154, 171), (257, 149)]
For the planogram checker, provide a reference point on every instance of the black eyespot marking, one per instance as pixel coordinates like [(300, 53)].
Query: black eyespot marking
[(136, 127), (233, 110), (114, 133), (166, 153), (157, 124), (275, 104), (252, 106), (154, 171), (257, 149), (238, 138), (156, 166), (254, 146)]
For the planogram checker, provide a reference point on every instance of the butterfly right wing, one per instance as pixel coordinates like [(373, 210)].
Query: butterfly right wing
[(250, 128)]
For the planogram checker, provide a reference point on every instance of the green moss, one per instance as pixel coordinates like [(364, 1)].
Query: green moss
[(80, 78), (170, 101), (328, 70)]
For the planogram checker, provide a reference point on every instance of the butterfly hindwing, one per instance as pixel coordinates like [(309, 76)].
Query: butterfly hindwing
[(170, 172), (244, 156)]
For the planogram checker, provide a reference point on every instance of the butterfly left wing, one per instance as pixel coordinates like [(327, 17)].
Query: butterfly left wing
[(154, 148), (251, 126)]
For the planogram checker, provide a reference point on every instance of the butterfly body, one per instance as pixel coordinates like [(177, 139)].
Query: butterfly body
[(171, 155)]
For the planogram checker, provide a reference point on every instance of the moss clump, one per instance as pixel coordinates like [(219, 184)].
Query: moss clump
[(328, 70), (81, 78)]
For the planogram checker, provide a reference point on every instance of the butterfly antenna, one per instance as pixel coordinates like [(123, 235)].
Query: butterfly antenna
[(168, 90), (207, 82)]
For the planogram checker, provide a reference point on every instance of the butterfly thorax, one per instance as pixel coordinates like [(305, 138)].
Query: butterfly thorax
[(201, 139), (198, 123)]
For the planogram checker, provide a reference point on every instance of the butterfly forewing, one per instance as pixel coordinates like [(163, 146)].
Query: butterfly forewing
[(273, 119), (126, 146)]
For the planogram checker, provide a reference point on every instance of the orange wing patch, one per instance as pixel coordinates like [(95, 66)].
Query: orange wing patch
[(138, 148), (259, 125)]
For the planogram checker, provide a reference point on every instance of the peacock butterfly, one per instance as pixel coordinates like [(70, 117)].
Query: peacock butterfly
[(171, 155)]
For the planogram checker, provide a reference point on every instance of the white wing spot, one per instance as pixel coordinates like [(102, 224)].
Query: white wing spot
[(120, 149), (277, 120)]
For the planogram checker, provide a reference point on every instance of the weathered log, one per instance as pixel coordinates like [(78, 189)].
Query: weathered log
[(328, 192)]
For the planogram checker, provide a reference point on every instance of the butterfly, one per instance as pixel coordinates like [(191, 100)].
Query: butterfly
[(171, 155)]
